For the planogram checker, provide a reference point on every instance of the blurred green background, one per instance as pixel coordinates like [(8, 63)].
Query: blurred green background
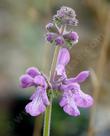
[(22, 44)]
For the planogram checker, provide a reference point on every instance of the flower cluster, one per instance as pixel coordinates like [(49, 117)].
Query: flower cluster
[(72, 96), (39, 99), (65, 16)]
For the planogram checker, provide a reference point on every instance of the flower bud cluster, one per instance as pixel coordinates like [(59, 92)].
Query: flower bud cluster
[(65, 16), (57, 33)]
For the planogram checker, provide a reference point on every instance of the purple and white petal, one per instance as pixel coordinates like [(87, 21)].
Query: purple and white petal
[(32, 71), (26, 81), (35, 107), (34, 95), (60, 69), (40, 81), (83, 100), (43, 94), (45, 98), (71, 110), (63, 57), (81, 77), (72, 87), (38, 103), (68, 104)]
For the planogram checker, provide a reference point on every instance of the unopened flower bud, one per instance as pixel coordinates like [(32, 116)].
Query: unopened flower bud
[(59, 40), (50, 37), (51, 28), (73, 36), (26, 81), (32, 71)]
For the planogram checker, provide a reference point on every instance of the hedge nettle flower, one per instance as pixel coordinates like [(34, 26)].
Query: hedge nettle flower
[(65, 16), (39, 99), (72, 96)]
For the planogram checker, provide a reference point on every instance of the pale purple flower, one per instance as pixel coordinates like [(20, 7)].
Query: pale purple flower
[(72, 97), (68, 103), (81, 99), (39, 99), (62, 61), (38, 103)]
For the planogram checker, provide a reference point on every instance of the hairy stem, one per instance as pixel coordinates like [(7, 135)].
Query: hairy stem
[(47, 118)]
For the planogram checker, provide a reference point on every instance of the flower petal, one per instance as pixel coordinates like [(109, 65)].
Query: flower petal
[(26, 81), (35, 107), (63, 57), (68, 104), (60, 69), (40, 81), (81, 77), (83, 100), (71, 110), (32, 71), (63, 101), (38, 103), (45, 98), (72, 87)]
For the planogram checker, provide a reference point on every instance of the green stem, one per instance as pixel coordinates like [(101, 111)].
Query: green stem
[(47, 118)]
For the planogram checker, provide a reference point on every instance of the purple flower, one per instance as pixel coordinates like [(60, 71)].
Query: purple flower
[(68, 103), (39, 99), (38, 103), (62, 61), (72, 97), (81, 99)]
